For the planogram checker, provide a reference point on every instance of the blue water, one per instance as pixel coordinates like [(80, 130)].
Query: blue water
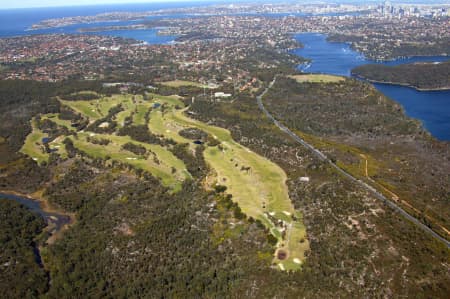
[(432, 108), (16, 22), (59, 220)]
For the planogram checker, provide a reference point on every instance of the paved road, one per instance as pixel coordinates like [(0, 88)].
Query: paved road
[(324, 158)]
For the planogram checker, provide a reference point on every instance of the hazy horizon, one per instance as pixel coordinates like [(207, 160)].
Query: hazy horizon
[(57, 3)]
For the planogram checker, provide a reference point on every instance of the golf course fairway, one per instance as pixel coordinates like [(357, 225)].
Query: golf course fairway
[(256, 184)]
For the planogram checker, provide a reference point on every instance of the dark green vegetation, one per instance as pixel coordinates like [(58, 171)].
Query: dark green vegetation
[(21, 100), (359, 247), (139, 241), (21, 272), (134, 238), (389, 49), (371, 138), (423, 76)]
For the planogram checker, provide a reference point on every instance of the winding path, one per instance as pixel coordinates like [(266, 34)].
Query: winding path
[(324, 158)]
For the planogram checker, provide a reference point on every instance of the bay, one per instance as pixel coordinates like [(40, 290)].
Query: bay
[(432, 108)]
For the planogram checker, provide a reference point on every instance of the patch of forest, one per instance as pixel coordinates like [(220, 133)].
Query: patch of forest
[(21, 274), (133, 238), (357, 243), (422, 76), (352, 122), (20, 100)]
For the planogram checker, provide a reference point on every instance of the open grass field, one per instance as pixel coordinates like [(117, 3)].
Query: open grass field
[(180, 83), (257, 184), (33, 145), (141, 111), (54, 117), (317, 78), (95, 109), (160, 162)]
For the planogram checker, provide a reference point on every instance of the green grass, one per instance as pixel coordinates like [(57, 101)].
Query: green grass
[(128, 108), (160, 162), (162, 170), (95, 109), (259, 191), (120, 117), (139, 117), (170, 100), (180, 83), (54, 117), (87, 108), (317, 78), (59, 145), (33, 146)]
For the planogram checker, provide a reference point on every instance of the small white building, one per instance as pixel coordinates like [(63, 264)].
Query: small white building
[(221, 94), (304, 179)]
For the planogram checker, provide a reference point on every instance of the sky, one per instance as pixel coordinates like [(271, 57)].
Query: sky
[(6, 4)]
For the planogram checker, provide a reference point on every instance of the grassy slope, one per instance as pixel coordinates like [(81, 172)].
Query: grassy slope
[(317, 78), (162, 169), (261, 191), (96, 109), (161, 162), (180, 83), (263, 185), (33, 146), (54, 117)]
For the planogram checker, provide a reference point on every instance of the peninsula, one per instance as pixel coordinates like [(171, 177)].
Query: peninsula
[(421, 76)]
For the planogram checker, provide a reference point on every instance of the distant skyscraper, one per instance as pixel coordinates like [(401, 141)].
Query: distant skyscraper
[(387, 8)]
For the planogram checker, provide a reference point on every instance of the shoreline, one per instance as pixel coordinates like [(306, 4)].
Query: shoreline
[(400, 84), (47, 208)]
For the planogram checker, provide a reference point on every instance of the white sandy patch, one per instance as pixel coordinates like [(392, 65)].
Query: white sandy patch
[(167, 131), (92, 134), (272, 213), (130, 158), (286, 213), (35, 159), (281, 267), (297, 261)]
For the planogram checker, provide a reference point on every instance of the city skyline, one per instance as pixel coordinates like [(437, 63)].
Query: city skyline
[(57, 3)]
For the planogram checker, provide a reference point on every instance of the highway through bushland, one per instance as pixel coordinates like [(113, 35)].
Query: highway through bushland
[(366, 186)]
